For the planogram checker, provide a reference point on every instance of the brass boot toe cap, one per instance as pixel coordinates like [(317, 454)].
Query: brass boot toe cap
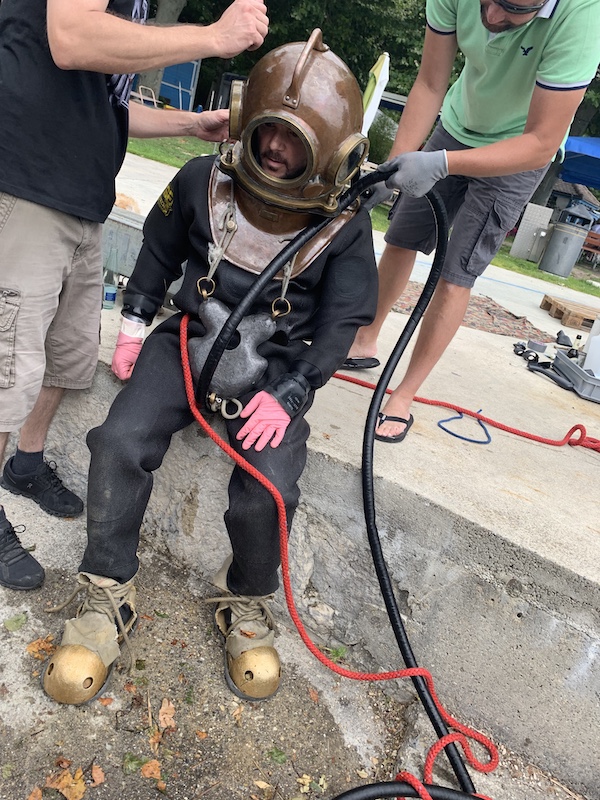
[(255, 674), (74, 675)]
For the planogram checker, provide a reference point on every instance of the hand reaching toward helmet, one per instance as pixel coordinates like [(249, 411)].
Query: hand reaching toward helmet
[(211, 126), (375, 195), (416, 173)]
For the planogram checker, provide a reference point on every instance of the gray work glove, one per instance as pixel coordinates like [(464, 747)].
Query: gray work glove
[(374, 195), (416, 173)]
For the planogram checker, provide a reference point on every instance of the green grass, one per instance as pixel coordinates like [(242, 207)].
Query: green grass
[(379, 218), (506, 261), (175, 151)]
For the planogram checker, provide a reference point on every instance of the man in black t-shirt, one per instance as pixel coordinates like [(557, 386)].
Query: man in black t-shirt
[(66, 68)]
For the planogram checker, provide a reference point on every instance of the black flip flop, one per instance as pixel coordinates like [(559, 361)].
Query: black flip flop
[(360, 363), (400, 436)]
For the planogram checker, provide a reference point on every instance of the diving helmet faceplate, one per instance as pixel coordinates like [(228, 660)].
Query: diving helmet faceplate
[(308, 90)]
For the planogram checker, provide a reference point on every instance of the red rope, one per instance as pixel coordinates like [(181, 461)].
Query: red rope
[(583, 439), (285, 570), (415, 783)]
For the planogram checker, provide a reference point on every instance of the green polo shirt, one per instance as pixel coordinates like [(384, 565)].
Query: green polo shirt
[(559, 50)]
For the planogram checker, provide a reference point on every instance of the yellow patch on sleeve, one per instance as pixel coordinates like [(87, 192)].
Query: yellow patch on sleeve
[(165, 201)]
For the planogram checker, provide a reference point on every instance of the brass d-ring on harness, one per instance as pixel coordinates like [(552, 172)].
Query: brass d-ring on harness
[(281, 306), (216, 403)]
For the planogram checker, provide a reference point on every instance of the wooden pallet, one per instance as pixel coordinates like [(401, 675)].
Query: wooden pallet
[(572, 315)]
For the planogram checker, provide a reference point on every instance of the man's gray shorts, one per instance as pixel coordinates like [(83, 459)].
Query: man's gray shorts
[(50, 303), (481, 211)]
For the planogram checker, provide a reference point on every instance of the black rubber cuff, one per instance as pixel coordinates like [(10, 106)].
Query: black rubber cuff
[(291, 391), (139, 306)]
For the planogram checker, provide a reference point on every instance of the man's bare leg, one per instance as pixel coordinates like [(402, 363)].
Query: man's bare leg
[(3, 440), (35, 429), (395, 267), (27, 474), (441, 321)]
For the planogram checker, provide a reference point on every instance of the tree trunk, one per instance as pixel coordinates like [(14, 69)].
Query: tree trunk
[(167, 13), (584, 116)]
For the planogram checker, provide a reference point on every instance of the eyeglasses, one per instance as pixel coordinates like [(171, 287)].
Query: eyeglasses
[(513, 9)]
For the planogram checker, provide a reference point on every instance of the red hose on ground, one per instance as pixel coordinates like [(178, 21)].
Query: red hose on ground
[(583, 440), (466, 732)]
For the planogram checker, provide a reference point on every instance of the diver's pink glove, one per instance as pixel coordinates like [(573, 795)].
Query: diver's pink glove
[(267, 421), (127, 350)]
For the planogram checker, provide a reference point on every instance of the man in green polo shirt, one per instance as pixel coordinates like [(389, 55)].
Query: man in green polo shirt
[(527, 66)]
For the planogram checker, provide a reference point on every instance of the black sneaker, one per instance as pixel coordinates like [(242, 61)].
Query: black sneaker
[(18, 568), (45, 488)]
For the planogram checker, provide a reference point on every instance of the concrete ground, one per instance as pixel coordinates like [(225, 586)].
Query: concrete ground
[(493, 551)]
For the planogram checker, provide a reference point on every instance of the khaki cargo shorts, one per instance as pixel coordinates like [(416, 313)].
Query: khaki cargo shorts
[(50, 303), (481, 211)]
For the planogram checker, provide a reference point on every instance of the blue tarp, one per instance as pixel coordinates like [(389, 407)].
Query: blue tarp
[(582, 161)]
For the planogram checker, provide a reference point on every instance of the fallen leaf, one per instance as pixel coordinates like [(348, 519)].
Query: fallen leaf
[(362, 773), (72, 787), (41, 648), (151, 769), (166, 715), (262, 784), (97, 776), (62, 762), (155, 739), (201, 734), (237, 714), (305, 782), (36, 794), (106, 701), (130, 687), (314, 695), (161, 786), (15, 623), (7, 771), (147, 616)]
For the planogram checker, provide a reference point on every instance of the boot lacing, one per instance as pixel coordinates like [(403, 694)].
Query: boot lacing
[(103, 600), (245, 608)]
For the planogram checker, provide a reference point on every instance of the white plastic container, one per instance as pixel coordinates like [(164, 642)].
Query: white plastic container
[(592, 358), (595, 331)]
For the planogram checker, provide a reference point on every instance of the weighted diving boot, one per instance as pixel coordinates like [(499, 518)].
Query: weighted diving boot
[(79, 669), (247, 628)]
